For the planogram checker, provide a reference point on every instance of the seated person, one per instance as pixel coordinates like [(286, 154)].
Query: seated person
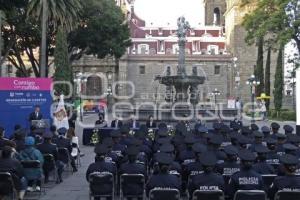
[(33, 176), (3, 141), (101, 121), (290, 181), (14, 167), (163, 179), (47, 147), (101, 164)]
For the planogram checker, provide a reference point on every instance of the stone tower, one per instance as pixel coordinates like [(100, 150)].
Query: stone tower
[(246, 55), (214, 12)]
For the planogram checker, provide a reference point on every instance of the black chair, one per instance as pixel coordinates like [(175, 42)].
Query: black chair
[(64, 156), (50, 165), (250, 195), (7, 187), (132, 186), (208, 195), (32, 164), (164, 194), (287, 195), (268, 179), (101, 184)]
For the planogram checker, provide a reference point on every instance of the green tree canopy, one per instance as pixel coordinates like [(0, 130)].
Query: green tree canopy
[(103, 31), (277, 21)]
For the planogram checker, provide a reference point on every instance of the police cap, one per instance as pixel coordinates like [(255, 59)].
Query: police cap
[(254, 127), (289, 159), (280, 136), (199, 148), (208, 159), (246, 155), (243, 139), (261, 149), (288, 128), (230, 150), (258, 134), (245, 130), (162, 132), (101, 149), (132, 151), (167, 148), (289, 147), (163, 158), (265, 129), (202, 129), (270, 140), (275, 125), (216, 139)]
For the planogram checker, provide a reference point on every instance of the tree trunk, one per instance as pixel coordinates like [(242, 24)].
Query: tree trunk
[(43, 63), (259, 69), (267, 77)]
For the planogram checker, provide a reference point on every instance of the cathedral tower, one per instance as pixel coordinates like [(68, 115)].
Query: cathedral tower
[(214, 12)]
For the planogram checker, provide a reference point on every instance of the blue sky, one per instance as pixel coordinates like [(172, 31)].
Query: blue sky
[(162, 12)]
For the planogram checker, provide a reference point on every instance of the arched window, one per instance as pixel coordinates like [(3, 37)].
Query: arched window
[(217, 16), (94, 86)]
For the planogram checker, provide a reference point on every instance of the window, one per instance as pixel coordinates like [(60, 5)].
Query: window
[(143, 49), (213, 49), (217, 69), (142, 69)]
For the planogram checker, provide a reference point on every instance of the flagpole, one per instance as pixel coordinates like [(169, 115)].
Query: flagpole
[(298, 101)]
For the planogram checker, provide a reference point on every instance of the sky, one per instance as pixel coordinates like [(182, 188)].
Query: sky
[(162, 12)]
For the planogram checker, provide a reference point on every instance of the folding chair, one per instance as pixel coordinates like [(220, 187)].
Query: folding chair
[(208, 195), (101, 184), (132, 186), (7, 187), (50, 165), (250, 195), (164, 194), (64, 156), (287, 195), (33, 164), (268, 179)]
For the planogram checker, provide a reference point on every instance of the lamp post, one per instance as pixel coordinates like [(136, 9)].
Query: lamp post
[(79, 79), (216, 93), (237, 77), (109, 75), (253, 82)]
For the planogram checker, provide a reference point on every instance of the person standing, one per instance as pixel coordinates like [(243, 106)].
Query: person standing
[(36, 115), (263, 109), (238, 106)]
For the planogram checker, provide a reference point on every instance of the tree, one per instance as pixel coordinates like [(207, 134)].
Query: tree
[(259, 69), (63, 70), (278, 85), (278, 20), (267, 77), (54, 12), (103, 31)]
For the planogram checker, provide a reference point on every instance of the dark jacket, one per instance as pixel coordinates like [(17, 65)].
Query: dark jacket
[(33, 116), (163, 181), (15, 168)]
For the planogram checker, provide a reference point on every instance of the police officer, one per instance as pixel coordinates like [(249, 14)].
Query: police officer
[(258, 139), (281, 140), (246, 178), (214, 146), (275, 128), (63, 142), (47, 147), (272, 156), (118, 148), (133, 166), (291, 150), (288, 129), (163, 179), (261, 166), (188, 153), (289, 181), (101, 164), (207, 180), (266, 131), (231, 164)]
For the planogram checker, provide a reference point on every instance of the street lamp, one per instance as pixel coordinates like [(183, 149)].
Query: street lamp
[(253, 82), (79, 79), (216, 93), (109, 75)]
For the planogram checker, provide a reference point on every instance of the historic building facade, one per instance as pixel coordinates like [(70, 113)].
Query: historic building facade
[(217, 49)]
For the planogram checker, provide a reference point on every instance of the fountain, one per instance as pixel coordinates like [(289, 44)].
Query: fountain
[(182, 82)]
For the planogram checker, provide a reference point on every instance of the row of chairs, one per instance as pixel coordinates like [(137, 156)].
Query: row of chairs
[(102, 184)]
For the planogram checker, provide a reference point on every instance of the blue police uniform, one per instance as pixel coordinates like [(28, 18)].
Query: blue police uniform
[(246, 178)]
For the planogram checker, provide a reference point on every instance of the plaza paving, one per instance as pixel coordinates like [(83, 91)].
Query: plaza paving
[(75, 186)]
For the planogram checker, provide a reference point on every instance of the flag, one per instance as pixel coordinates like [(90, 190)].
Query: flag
[(60, 115)]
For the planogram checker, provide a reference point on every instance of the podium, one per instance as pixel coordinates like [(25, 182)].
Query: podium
[(40, 124)]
